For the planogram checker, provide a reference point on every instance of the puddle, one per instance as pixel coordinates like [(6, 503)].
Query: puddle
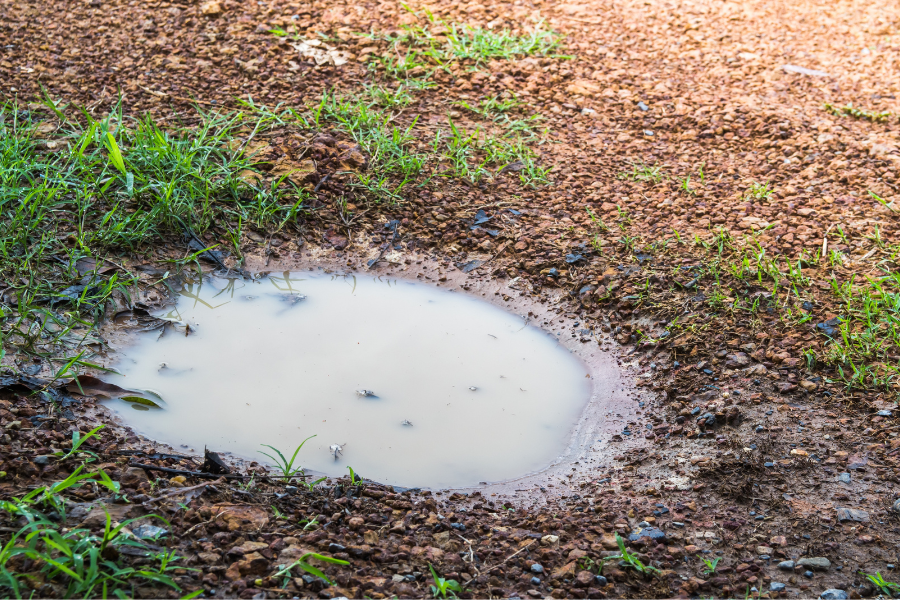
[(275, 361)]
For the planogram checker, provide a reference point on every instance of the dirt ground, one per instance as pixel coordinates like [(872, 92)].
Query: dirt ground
[(722, 179)]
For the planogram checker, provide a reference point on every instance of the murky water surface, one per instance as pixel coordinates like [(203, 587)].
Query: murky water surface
[(461, 391)]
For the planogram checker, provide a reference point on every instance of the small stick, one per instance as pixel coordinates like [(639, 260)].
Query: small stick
[(825, 240), (178, 491), (203, 523), (525, 547), (206, 475)]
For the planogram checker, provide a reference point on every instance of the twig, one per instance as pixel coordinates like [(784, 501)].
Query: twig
[(385, 249), (526, 546), (321, 183), (208, 475), (178, 491), (825, 240), (203, 523)]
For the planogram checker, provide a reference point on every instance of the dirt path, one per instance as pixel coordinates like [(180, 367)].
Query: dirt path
[(709, 186)]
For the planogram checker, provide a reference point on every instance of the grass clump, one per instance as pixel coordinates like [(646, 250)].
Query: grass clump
[(858, 113)]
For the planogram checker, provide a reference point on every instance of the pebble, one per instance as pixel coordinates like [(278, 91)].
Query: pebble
[(852, 514), (600, 580), (537, 568), (844, 477), (776, 587), (535, 581), (834, 594), (148, 532), (808, 574), (786, 565), (816, 563)]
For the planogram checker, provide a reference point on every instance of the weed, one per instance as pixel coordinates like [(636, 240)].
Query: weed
[(284, 465), (77, 441), (882, 201), (642, 172), (858, 113), (442, 587), (710, 564), (630, 560), (685, 186), (303, 563), (759, 191), (354, 478), (887, 588), (86, 564)]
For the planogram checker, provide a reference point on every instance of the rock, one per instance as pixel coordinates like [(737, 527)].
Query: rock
[(807, 385), (844, 477), (651, 533), (211, 9), (336, 239), (786, 565), (776, 587), (584, 579), (133, 477), (816, 563), (537, 568), (566, 571), (600, 580), (608, 541), (148, 532), (97, 516), (356, 522), (548, 540), (852, 514), (42, 460), (738, 359), (896, 506), (884, 413), (234, 517), (834, 594)]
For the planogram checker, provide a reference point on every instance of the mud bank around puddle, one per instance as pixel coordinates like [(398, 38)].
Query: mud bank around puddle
[(593, 439)]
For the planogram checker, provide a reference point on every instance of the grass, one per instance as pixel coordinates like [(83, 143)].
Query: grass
[(858, 113), (285, 466), (81, 563), (710, 565), (643, 173), (303, 564), (419, 50), (887, 588), (441, 587)]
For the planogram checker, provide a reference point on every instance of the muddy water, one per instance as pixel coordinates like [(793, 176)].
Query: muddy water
[(461, 391)]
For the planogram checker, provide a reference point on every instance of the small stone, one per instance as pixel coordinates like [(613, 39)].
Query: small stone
[(776, 587), (584, 578), (852, 514), (537, 568), (42, 460), (884, 413), (844, 477), (600, 580), (547, 540), (652, 533), (148, 532), (786, 565), (834, 594), (808, 574), (816, 563), (535, 581)]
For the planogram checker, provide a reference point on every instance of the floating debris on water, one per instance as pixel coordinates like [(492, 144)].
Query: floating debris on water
[(337, 449), (406, 422), (365, 393)]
